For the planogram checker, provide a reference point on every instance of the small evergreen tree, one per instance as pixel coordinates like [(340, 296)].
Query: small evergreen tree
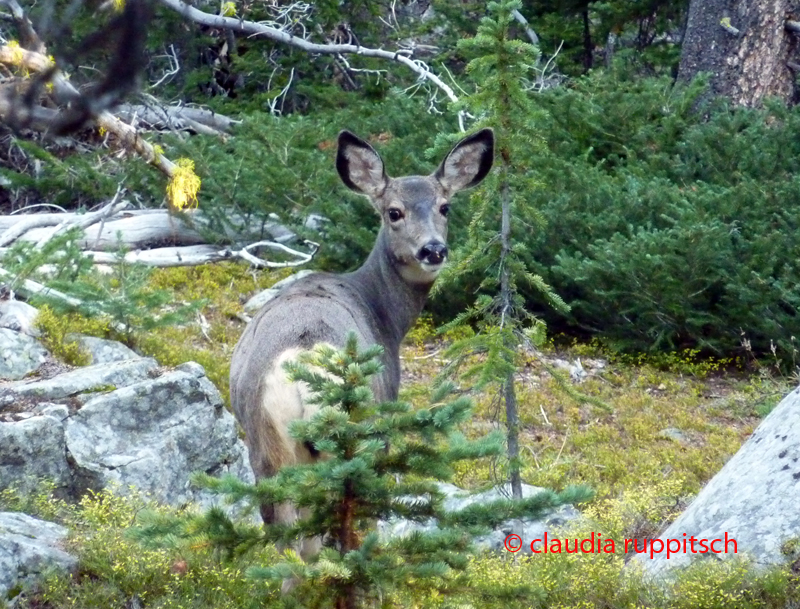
[(383, 461), (125, 297), (496, 238)]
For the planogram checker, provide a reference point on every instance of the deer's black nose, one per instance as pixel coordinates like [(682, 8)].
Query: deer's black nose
[(433, 253)]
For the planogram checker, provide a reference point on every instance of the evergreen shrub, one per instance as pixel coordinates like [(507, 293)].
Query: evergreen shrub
[(667, 226)]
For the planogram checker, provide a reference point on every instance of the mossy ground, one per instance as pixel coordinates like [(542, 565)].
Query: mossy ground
[(642, 471)]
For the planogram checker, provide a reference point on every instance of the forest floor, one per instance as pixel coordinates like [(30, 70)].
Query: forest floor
[(670, 423)]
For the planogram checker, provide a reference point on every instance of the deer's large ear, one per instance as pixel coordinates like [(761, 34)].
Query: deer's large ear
[(359, 166), (468, 162)]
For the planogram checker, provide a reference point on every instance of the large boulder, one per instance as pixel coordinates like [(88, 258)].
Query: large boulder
[(18, 316), (457, 499), (753, 500), (34, 448), (28, 548), (20, 354), (154, 434), (124, 423)]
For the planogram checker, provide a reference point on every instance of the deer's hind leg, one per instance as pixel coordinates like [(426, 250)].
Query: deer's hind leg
[(282, 403)]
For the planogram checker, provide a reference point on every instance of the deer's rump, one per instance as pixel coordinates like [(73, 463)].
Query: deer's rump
[(318, 309)]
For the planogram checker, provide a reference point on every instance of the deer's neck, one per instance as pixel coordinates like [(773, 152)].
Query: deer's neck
[(395, 304)]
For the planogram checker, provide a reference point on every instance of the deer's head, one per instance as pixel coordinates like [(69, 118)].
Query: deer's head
[(414, 208)]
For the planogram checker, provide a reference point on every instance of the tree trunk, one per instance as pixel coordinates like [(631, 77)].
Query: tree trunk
[(744, 45), (588, 47), (509, 394), (512, 426)]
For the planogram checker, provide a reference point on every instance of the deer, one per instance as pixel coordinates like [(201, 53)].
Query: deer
[(380, 302)]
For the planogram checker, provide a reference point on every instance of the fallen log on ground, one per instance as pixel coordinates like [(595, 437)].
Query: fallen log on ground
[(133, 229)]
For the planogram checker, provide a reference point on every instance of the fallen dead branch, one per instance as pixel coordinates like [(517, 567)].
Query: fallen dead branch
[(85, 220), (157, 116)]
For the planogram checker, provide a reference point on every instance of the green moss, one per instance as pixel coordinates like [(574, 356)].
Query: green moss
[(117, 572), (55, 327), (101, 389)]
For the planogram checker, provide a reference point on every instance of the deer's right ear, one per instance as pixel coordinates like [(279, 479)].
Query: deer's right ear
[(359, 166)]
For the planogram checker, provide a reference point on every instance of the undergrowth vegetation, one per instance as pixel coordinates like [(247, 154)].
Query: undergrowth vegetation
[(116, 571), (676, 419)]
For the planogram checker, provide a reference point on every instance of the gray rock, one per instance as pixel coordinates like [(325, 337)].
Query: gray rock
[(753, 499), (259, 300), (278, 232), (28, 548), (457, 499), (20, 354), (83, 379), (101, 350), (674, 434), (149, 433), (32, 449), (316, 222), (18, 316), (153, 435), (58, 411), (191, 368)]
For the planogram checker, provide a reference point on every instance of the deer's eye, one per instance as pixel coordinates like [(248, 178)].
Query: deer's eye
[(395, 214), (444, 209)]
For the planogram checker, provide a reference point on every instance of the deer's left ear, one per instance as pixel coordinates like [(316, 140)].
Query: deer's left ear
[(468, 162)]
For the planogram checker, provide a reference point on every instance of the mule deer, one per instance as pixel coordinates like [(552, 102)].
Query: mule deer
[(379, 302)]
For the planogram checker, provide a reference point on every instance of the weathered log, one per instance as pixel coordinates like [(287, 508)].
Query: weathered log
[(136, 229), (195, 255)]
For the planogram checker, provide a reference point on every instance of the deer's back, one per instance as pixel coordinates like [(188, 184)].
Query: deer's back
[(320, 308)]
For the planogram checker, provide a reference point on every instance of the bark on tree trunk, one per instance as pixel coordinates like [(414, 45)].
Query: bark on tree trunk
[(509, 394), (747, 66)]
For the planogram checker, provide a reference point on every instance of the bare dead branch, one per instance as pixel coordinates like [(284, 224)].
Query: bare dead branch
[(20, 227), (15, 112), (528, 29), (252, 28), (175, 118), (30, 39), (86, 220)]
